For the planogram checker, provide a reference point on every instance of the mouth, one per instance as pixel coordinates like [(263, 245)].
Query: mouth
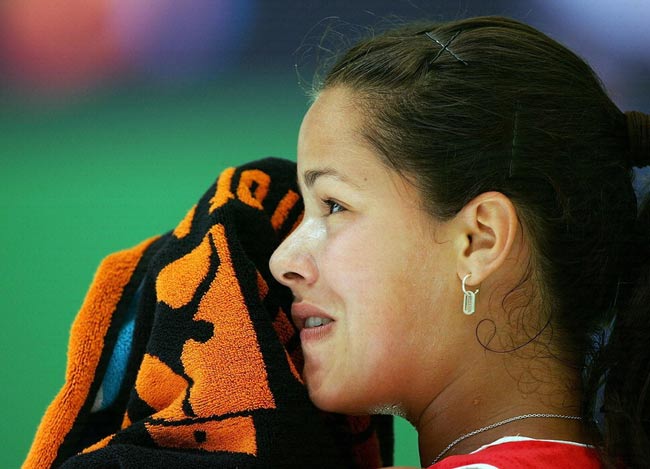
[(310, 320), (314, 321)]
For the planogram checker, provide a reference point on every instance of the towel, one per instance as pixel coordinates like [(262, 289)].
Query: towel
[(183, 354)]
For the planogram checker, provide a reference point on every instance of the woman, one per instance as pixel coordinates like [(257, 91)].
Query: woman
[(470, 231)]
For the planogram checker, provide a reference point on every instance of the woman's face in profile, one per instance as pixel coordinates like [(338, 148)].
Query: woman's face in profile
[(370, 271)]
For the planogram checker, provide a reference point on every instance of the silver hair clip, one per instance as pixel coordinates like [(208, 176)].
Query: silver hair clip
[(444, 47)]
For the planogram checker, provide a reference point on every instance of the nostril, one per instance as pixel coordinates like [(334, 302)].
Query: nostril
[(292, 276)]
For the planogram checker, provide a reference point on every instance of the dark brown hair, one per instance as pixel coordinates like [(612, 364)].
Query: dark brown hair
[(490, 104)]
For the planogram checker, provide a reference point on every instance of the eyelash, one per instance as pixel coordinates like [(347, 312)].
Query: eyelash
[(331, 204)]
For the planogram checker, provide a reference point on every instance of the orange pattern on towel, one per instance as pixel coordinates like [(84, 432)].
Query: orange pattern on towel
[(257, 179), (236, 434), (100, 444), (157, 384), (177, 282), (281, 212), (236, 372), (185, 226), (222, 193), (233, 352), (126, 421), (262, 286), (283, 327), (252, 188)]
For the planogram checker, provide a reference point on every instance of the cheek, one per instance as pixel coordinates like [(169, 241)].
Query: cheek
[(371, 257), (353, 260), (371, 276)]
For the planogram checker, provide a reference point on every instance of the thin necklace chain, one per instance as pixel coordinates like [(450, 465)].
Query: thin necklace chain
[(498, 424)]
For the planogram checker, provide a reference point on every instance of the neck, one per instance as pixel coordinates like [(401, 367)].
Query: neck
[(453, 414)]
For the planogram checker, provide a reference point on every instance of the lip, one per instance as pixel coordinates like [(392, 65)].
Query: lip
[(301, 311)]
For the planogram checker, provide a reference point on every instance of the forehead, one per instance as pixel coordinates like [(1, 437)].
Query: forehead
[(333, 115), (331, 135)]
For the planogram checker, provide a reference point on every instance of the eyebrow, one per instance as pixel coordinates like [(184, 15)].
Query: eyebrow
[(310, 176)]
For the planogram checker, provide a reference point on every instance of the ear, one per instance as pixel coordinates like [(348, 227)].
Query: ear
[(487, 228)]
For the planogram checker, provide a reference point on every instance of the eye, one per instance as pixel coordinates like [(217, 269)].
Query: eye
[(333, 206)]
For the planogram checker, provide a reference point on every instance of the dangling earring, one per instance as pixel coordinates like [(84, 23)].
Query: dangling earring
[(469, 300)]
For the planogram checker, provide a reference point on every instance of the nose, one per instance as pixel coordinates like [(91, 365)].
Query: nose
[(292, 263)]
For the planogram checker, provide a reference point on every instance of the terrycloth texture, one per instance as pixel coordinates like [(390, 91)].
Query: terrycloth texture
[(183, 354)]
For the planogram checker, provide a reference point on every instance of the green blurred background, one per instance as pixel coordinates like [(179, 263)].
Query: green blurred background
[(99, 175)]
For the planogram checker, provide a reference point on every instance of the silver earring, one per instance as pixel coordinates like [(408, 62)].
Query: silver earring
[(469, 300)]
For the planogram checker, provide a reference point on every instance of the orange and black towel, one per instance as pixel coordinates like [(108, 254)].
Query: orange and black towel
[(183, 355)]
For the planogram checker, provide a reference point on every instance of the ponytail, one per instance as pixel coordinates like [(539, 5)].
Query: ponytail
[(626, 358)]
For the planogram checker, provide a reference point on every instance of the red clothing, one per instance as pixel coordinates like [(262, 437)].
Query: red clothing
[(525, 453)]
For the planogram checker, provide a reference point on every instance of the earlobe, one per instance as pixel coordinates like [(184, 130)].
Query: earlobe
[(488, 227)]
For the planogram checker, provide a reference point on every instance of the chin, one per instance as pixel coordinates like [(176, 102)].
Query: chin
[(330, 401), (323, 401), (333, 402)]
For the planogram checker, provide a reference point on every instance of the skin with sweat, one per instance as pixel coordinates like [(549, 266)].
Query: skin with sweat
[(382, 276)]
